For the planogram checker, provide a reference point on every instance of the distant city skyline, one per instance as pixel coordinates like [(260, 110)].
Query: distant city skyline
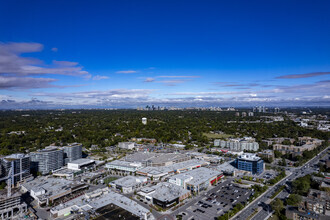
[(128, 54)]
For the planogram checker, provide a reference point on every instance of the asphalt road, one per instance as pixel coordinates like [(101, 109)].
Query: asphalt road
[(307, 168), (188, 210)]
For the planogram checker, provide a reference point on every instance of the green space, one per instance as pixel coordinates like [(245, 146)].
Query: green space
[(108, 127), (109, 179), (217, 136), (276, 179)]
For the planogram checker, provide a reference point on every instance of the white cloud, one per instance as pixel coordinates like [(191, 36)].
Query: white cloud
[(65, 63), (12, 82), (149, 79), (179, 77), (12, 63), (54, 49), (98, 77), (172, 80), (127, 71), (19, 72)]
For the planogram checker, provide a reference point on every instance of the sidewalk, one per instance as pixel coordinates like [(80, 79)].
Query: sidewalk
[(271, 187)]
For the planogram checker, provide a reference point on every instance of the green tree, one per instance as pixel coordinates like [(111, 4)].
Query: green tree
[(277, 205), (3, 185), (277, 154), (301, 185), (294, 199)]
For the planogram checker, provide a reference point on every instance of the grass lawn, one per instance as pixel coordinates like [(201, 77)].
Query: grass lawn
[(274, 217), (109, 179), (214, 136)]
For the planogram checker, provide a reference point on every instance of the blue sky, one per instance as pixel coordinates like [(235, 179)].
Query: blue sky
[(168, 53)]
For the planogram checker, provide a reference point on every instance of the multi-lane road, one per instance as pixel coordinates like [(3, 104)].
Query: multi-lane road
[(264, 200)]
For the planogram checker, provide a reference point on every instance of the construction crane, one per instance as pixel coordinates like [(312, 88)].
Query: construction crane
[(10, 178)]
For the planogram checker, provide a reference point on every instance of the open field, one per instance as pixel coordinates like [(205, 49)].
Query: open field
[(215, 136)]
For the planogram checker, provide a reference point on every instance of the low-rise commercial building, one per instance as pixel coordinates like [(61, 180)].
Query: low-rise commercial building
[(65, 173), (207, 157), (47, 191), (94, 176), (165, 194), (156, 159), (81, 164), (126, 145), (226, 151), (196, 180), (129, 184), (90, 202), (158, 172), (124, 166)]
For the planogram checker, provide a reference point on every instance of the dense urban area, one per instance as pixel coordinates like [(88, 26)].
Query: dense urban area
[(165, 163)]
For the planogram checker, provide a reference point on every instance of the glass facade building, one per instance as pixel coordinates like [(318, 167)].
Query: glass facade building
[(46, 160), (20, 164), (251, 163), (72, 152)]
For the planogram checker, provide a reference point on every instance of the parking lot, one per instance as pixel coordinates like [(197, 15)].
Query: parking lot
[(216, 202), (268, 174)]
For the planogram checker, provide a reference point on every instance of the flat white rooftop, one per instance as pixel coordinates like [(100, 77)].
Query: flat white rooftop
[(100, 198), (130, 181), (249, 156), (82, 161), (198, 176)]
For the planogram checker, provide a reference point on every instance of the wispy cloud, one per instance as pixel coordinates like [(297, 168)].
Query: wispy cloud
[(12, 63), (97, 97), (111, 98), (65, 63), (98, 77), (242, 85), (305, 75), (172, 80), (183, 77), (149, 79), (207, 93), (21, 72), (54, 49), (126, 71), (12, 82)]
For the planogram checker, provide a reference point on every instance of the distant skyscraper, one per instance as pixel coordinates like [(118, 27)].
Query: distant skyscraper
[(144, 121), (72, 152), (46, 160)]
